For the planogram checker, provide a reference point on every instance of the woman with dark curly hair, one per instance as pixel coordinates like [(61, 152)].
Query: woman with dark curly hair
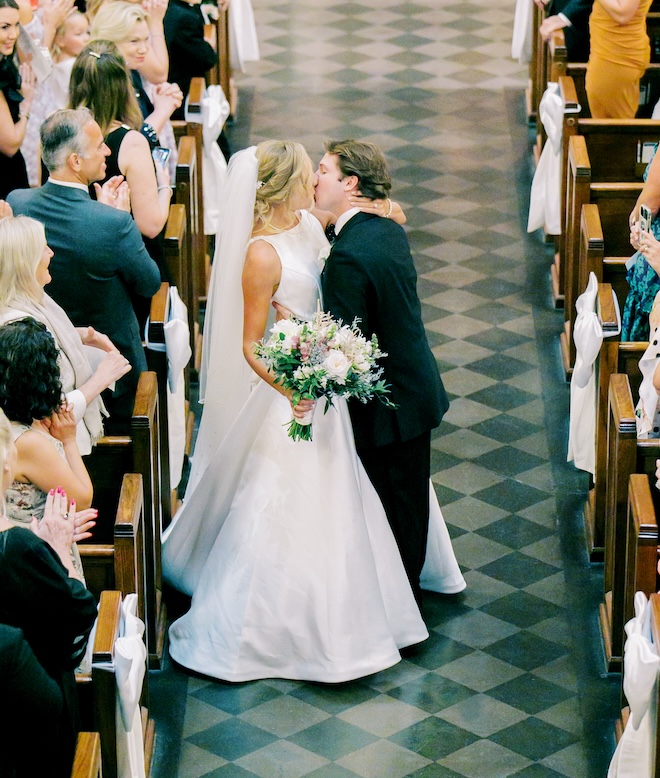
[(44, 429)]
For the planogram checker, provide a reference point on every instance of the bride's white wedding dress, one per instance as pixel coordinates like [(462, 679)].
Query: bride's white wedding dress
[(284, 545)]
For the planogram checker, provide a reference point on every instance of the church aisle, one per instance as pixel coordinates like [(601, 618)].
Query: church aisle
[(509, 682)]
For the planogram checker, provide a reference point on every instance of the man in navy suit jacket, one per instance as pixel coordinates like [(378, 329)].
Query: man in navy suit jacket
[(100, 260), (573, 17), (370, 274)]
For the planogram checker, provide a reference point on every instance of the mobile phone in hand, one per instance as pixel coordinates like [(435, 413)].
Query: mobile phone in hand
[(644, 218), (161, 154)]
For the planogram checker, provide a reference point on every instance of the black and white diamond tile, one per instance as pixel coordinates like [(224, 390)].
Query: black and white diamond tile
[(508, 683)]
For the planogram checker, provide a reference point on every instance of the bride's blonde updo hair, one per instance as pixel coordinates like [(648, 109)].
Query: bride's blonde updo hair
[(284, 167)]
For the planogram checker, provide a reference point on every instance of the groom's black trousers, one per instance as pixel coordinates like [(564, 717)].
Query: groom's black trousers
[(400, 474)]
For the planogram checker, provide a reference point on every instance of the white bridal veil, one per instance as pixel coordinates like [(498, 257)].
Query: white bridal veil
[(225, 376)]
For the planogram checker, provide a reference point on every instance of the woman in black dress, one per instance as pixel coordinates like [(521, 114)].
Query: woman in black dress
[(43, 596), (101, 82), (16, 91)]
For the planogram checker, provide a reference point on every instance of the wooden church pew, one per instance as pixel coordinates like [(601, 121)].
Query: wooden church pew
[(111, 458), (121, 565), (612, 148), (626, 455), (87, 759), (614, 200), (98, 693), (614, 357), (189, 194), (641, 543)]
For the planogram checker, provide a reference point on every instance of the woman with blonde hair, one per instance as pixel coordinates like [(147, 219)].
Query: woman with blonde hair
[(100, 81), (284, 546), (127, 26), (24, 261)]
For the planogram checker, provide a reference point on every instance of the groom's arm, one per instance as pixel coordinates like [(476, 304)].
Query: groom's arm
[(345, 287)]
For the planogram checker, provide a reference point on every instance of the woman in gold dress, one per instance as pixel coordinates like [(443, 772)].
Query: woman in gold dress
[(620, 54)]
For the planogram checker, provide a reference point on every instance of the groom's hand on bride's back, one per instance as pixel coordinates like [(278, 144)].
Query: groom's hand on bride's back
[(281, 312)]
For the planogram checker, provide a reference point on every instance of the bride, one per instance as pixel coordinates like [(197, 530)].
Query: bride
[(284, 546)]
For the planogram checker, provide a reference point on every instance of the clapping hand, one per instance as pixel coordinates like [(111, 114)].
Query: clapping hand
[(28, 84), (155, 8), (115, 193), (91, 337), (83, 522), (55, 12), (112, 367), (55, 527)]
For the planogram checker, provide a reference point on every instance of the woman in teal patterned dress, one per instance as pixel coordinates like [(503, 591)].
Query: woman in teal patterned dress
[(643, 274)]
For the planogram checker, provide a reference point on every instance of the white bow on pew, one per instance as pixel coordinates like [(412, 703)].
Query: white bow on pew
[(215, 110), (545, 197), (634, 755), (179, 352), (130, 667), (588, 336), (647, 412), (521, 40)]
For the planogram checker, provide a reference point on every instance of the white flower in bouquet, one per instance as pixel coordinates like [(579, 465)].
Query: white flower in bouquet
[(287, 333), (337, 365)]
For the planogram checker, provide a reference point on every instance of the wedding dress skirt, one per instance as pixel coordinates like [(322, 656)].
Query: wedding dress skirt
[(285, 547)]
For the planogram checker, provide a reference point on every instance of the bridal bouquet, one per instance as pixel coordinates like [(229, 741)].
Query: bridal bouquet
[(323, 358)]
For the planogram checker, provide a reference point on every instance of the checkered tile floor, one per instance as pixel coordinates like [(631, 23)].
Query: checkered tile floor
[(509, 682)]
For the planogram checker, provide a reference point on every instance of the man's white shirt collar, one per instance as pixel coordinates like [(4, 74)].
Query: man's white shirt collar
[(345, 217), (71, 184)]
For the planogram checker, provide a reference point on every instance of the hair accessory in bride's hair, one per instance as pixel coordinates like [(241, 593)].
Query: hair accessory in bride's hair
[(94, 54), (260, 184)]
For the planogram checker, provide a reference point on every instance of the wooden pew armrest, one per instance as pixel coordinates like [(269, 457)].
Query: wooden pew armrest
[(569, 94), (605, 307), (107, 626), (621, 403)]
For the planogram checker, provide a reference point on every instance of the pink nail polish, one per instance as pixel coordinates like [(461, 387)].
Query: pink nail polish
[(52, 492)]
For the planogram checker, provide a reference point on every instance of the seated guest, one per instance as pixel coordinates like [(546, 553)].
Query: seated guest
[(100, 259), (24, 261), (43, 429), (32, 696), (101, 82), (43, 596)]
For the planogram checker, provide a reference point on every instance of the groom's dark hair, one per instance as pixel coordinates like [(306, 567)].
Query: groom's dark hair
[(367, 162)]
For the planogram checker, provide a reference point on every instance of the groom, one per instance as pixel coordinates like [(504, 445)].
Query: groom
[(370, 274)]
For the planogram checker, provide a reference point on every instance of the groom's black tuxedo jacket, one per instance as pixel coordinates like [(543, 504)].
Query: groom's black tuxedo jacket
[(370, 274)]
